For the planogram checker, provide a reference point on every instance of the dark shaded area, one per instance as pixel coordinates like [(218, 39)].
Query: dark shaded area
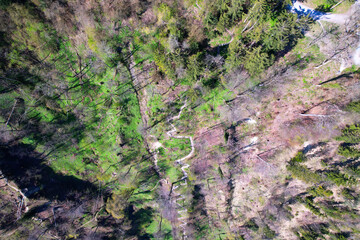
[(139, 221), (37, 209), (69, 198), (345, 75), (211, 82), (21, 164), (251, 224), (7, 209), (198, 212), (314, 230), (323, 8), (314, 14), (310, 147)]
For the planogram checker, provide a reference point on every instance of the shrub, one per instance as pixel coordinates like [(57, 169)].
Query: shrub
[(340, 178), (355, 170), (303, 173), (300, 157), (348, 194), (252, 225), (353, 107), (117, 204), (320, 192), (348, 151), (333, 211), (268, 233), (351, 134), (314, 231), (309, 204), (256, 61)]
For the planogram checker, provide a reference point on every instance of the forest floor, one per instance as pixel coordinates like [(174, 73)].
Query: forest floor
[(292, 108), (296, 109), (229, 162), (289, 110)]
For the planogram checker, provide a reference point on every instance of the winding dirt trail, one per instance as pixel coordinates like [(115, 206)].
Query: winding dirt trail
[(177, 197), (182, 210), (152, 148)]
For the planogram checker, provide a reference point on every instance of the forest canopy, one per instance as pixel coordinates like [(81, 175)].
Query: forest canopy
[(94, 95)]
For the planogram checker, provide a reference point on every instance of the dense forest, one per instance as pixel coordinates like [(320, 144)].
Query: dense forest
[(208, 119)]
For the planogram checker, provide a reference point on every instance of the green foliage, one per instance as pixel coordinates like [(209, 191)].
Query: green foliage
[(195, 68), (299, 158), (355, 170), (117, 203), (348, 151), (266, 31), (334, 211), (309, 204), (303, 173), (82, 112), (268, 233), (256, 61), (31, 32), (157, 106), (318, 200), (4, 4), (165, 12), (282, 31), (351, 134), (163, 61), (92, 42), (222, 14), (320, 191), (340, 236), (311, 232), (252, 225), (348, 194), (353, 106), (79, 105), (340, 178)]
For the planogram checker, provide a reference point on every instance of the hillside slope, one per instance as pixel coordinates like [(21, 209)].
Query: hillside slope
[(188, 119)]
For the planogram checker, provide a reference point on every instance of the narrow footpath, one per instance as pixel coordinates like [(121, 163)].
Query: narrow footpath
[(179, 198)]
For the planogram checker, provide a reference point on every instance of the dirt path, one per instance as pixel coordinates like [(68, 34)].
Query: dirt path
[(232, 38), (182, 211), (304, 10), (153, 146)]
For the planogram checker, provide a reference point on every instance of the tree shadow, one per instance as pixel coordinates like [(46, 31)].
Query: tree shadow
[(323, 8), (139, 220), (198, 213), (21, 164), (315, 14), (340, 77)]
